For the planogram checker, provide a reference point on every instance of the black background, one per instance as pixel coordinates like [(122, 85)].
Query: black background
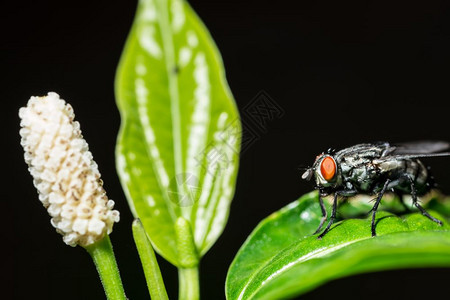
[(344, 72)]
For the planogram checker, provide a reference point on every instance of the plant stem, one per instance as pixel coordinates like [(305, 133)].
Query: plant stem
[(103, 256), (150, 265), (189, 284)]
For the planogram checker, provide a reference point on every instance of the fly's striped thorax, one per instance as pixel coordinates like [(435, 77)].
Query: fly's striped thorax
[(359, 172)]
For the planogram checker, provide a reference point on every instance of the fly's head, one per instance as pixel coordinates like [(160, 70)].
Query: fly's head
[(326, 173)]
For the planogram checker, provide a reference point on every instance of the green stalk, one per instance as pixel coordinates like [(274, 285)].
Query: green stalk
[(150, 265), (189, 283), (103, 256), (188, 261)]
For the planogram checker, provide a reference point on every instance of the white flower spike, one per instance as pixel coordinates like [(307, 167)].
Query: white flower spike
[(64, 172)]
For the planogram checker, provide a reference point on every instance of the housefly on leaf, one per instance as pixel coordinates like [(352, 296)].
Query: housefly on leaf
[(375, 169)]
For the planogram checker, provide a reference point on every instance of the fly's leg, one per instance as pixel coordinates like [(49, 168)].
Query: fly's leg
[(333, 216), (375, 206), (324, 214), (416, 203)]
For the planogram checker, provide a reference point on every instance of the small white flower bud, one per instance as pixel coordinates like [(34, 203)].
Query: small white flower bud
[(64, 173)]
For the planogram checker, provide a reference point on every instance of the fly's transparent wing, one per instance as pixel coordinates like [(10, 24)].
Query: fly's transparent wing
[(419, 148)]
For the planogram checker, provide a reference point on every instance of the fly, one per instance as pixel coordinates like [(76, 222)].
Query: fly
[(374, 169)]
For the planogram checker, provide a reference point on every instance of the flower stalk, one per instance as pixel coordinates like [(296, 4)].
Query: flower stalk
[(103, 256)]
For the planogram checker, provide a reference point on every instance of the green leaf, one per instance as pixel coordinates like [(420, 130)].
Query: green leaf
[(282, 259), (178, 146)]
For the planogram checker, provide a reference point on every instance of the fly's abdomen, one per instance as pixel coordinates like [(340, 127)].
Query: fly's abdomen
[(400, 170)]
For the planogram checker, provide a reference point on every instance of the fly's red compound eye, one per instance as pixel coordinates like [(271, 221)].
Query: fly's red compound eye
[(328, 168)]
